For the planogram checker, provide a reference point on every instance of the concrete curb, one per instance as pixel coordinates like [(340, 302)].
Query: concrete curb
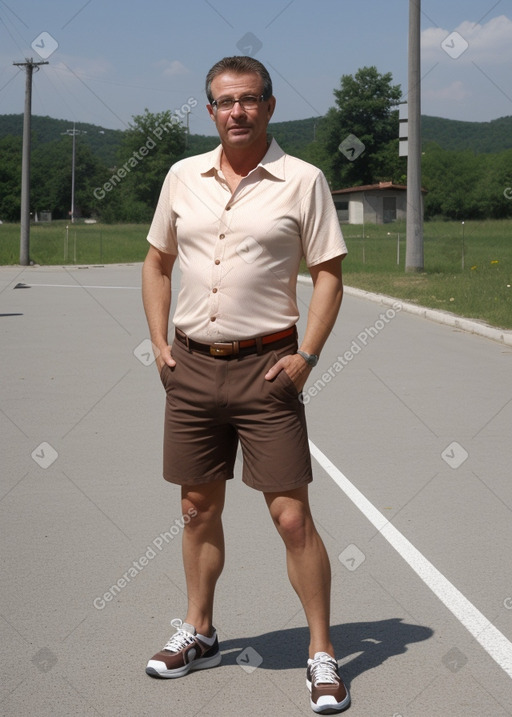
[(441, 317)]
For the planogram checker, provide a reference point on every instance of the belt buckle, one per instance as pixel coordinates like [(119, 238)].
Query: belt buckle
[(222, 349)]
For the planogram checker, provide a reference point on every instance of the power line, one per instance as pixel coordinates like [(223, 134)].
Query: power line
[(9, 81), (4, 23)]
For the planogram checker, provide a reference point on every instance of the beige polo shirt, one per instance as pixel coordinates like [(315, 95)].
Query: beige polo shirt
[(239, 253)]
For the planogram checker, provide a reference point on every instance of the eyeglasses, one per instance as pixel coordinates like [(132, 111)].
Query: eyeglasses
[(247, 102)]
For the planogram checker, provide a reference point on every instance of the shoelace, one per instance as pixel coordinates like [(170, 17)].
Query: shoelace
[(323, 670), (180, 639)]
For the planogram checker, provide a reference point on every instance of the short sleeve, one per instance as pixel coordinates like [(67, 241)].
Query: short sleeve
[(322, 238), (162, 232)]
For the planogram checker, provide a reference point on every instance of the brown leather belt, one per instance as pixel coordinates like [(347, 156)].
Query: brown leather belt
[(220, 349)]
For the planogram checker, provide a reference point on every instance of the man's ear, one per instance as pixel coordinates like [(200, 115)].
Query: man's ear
[(271, 104), (211, 112)]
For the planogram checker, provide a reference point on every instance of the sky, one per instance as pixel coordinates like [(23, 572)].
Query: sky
[(109, 60)]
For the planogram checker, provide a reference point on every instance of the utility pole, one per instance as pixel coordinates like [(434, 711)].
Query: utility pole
[(414, 235), (73, 132), (29, 66), (187, 136)]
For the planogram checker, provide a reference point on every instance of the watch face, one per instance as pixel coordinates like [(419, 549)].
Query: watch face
[(310, 359)]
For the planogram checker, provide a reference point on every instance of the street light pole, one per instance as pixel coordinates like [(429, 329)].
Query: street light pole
[(73, 132)]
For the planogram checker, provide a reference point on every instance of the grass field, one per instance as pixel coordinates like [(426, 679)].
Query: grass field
[(468, 268), (63, 243)]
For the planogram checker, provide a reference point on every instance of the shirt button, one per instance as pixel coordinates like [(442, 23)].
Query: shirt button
[(212, 318), (222, 236), (228, 208), (217, 261), (214, 291)]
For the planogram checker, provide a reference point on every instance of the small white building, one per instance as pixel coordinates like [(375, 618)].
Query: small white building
[(372, 203), (45, 216)]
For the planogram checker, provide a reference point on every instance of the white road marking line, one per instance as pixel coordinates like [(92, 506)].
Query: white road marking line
[(484, 632), (82, 286)]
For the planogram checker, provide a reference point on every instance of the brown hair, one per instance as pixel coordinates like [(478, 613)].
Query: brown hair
[(240, 64)]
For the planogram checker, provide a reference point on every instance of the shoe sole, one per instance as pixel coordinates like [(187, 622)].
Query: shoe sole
[(201, 664), (329, 709)]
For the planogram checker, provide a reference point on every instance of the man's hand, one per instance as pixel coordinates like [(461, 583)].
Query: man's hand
[(323, 309), (164, 357), (156, 296), (296, 368)]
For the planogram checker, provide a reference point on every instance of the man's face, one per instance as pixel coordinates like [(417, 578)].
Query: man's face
[(239, 127)]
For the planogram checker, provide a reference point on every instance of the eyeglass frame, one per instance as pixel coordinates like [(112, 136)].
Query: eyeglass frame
[(214, 103)]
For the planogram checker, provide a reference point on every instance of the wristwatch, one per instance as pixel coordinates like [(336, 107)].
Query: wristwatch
[(310, 359)]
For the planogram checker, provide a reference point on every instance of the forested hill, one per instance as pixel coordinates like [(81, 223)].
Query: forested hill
[(485, 137), (103, 142)]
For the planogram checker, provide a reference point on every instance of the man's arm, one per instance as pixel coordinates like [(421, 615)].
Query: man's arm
[(156, 297), (323, 311)]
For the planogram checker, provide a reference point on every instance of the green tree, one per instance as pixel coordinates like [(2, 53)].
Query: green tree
[(496, 185), (316, 153), (366, 109), (52, 178), (455, 183), (10, 178), (150, 145)]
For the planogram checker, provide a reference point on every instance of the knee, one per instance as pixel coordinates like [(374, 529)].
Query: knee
[(294, 527), (201, 508)]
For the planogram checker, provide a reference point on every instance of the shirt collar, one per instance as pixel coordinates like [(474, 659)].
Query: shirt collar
[(272, 162)]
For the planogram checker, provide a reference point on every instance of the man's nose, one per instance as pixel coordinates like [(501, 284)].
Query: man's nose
[(237, 110)]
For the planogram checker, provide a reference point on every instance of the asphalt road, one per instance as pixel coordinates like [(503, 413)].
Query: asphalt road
[(409, 423)]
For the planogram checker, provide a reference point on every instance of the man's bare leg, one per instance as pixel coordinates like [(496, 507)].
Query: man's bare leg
[(308, 565), (203, 550)]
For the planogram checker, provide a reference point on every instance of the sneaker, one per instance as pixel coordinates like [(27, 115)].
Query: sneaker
[(328, 693), (185, 651)]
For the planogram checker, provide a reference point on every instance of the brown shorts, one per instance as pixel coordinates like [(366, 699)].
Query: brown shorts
[(213, 403)]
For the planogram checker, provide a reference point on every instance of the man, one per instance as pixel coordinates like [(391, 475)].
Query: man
[(240, 219)]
